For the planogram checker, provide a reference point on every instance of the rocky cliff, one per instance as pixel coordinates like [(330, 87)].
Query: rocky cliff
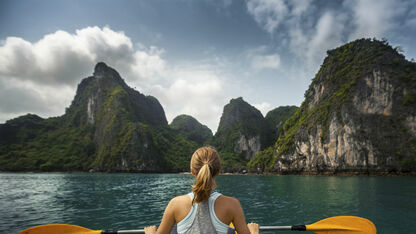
[(241, 134), (275, 120), (108, 127), (191, 128), (358, 115), (122, 119), (277, 117)]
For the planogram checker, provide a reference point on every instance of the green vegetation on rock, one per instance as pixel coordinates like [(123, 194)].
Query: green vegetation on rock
[(264, 160), (277, 117), (358, 114), (242, 132), (360, 74), (108, 127), (191, 128)]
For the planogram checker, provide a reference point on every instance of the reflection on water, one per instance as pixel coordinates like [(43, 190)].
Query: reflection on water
[(131, 201)]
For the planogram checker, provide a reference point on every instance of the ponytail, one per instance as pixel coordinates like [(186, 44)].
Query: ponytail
[(205, 163)]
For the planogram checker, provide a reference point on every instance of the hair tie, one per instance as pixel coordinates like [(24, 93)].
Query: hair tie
[(205, 163)]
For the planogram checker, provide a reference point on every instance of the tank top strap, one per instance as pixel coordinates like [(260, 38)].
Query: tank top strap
[(214, 195), (219, 226), (191, 195)]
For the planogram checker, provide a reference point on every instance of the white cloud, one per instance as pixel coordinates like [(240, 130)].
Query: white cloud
[(62, 57), (260, 58), (266, 61), (194, 91), (311, 28), (148, 65), (41, 77), (263, 107), (327, 35), (373, 18), (268, 13), (300, 6), (19, 97)]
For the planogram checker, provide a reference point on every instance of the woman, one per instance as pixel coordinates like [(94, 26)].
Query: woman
[(204, 210)]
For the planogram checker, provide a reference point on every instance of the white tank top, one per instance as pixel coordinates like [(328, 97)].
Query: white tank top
[(186, 223)]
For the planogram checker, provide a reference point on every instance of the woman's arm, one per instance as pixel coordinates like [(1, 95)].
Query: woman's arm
[(239, 220), (167, 222)]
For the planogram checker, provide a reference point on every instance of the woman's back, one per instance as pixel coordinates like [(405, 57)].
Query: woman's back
[(205, 166), (224, 207), (202, 216), (217, 211)]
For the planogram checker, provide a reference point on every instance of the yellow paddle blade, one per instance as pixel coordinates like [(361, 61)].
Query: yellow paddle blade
[(343, 224), (59, 228)]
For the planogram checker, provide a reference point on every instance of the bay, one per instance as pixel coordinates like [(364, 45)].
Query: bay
[(132, 201)]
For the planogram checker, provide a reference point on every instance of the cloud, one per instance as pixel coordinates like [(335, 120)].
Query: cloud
[(60, 57), (148, 64), (374, 18), (260, 58), (268, 13), (263, 107), (41, 77), (19, 97), (265, 61), (327, 34), (195, 91), (310, 28)]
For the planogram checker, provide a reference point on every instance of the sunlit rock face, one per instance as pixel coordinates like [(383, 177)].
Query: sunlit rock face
[(241, 134), (249, 147), (358, 115)]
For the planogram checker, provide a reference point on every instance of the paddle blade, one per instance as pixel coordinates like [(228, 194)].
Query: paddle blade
[(59, 228), (343, 224)]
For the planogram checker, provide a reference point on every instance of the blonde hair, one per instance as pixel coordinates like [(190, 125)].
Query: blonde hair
[(206, 164)]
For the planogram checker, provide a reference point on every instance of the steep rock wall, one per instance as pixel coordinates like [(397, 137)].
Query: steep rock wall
[(358, 115)]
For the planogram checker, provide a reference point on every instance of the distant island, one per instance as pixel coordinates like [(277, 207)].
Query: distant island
[(358, 117)]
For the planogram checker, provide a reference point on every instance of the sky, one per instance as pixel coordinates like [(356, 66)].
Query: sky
[(193, 56)]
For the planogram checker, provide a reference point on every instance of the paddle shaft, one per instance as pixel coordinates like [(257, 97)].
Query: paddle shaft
[(293, 228), (264, 228)]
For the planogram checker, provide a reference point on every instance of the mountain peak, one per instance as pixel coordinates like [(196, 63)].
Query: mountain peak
[(191, 128), (102, 70), (100, 66)]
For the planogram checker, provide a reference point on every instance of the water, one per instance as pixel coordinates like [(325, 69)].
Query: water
[(132, 201)]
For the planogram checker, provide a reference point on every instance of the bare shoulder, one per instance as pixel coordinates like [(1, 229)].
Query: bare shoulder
[(180, 207), (227, 201), (180, 200)]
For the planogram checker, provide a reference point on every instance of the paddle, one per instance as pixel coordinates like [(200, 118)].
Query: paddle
[(337, 224)]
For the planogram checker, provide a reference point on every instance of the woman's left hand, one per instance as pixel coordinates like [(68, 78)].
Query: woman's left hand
[(150, 230)]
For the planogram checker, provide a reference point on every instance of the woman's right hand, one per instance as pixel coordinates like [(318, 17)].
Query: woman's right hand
[(253, 227), (150, 230)]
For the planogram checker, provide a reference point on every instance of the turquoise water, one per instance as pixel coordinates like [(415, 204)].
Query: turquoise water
[(131, 201)]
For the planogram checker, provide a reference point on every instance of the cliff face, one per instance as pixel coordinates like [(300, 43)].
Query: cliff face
[(358, 115), (241, 134), (277, 117), (106, 92), (121, 118), (108, 127), (191, 128)]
